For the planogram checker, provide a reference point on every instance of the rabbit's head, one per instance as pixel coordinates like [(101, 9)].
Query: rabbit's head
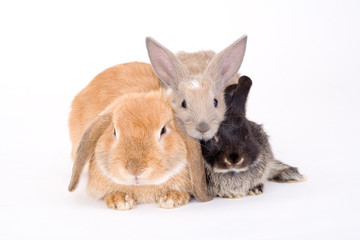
[(134, 141), (197, 99), (234, 147)]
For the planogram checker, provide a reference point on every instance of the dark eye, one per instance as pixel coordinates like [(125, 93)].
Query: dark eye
[(183, 104), (215, 102), (163, 131), (114, 132)]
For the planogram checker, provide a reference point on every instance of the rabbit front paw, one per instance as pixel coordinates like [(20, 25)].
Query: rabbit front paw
[(256, 190), (231, 196), (173, 199), (119, 201)]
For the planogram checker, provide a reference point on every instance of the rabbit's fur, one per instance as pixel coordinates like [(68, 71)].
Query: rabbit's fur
[(239, 158), (123, 125), (196, 82)]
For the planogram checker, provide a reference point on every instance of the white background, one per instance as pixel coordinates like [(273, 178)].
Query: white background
[(303, 57)]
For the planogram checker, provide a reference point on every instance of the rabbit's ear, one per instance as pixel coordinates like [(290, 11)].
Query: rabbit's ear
[(227, 62), (87, 146), (229, 93), (197, 170), (240, 95), (165, 64)]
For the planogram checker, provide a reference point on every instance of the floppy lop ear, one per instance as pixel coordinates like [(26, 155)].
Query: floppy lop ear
[(87, 146), (226, 63), (197, 170), (165, 64)]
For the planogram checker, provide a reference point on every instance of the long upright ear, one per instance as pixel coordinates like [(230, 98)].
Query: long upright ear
[(197, 170), (229, 93), (87, 146), (226, 63), (165, 64), (238, 101)]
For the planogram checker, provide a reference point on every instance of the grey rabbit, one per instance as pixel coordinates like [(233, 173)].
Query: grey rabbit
[(196, 82), (239, 159)]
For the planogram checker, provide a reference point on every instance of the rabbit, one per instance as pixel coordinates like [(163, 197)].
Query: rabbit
[(130, 140), (196, 82), (198, 77), (239, 159)]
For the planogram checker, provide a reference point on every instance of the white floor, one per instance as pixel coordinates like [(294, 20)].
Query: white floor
[(304, 61)]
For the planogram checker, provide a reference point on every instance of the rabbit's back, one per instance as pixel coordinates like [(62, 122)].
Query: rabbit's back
[(261, 137), (196, 62), (104, 89)]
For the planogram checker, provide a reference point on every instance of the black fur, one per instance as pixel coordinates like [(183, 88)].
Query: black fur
[(235, 138), (239, 158)]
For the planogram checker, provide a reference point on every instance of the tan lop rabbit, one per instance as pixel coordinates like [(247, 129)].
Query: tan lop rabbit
[(123, 125)]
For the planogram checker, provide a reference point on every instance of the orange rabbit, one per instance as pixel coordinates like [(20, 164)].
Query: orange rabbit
[(123, 125)]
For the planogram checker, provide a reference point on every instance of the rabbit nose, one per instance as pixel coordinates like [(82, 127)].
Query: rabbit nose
[(234, 158), (203, 127), (135, 172), (135, 167)]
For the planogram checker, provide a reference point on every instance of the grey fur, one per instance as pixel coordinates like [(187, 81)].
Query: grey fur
[(197, 78), (265, 167), (257, 164)]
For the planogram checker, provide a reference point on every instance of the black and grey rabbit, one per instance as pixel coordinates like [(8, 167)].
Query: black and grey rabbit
[(239, 159)]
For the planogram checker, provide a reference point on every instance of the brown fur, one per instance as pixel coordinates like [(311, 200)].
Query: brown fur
[(86, 148), (112, 161), (210, 71), (104, 89), (196, 62)]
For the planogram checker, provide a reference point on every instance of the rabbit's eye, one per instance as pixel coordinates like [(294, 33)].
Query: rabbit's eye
[(114, 132), (215, 102), (183, 104), (163, 131)]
